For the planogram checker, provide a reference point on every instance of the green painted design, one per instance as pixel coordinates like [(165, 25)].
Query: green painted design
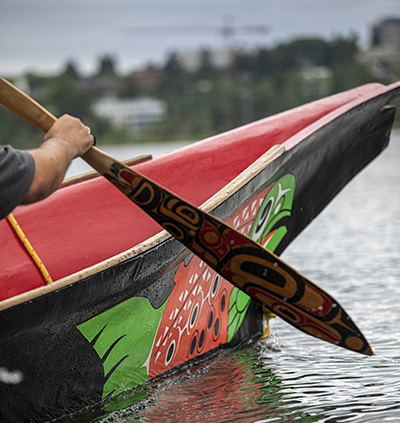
[(276, 238), (238, 304), (276, 205), (125, 336)]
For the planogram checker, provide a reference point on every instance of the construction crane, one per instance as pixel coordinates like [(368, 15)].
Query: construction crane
[(228, 30)]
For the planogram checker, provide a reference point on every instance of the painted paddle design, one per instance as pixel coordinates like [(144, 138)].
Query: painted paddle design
[(236, 257)]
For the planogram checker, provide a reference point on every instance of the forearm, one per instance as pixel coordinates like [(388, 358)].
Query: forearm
[(68, 138), (52, 159)]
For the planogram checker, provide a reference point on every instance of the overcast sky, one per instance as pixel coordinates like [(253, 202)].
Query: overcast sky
[(41, 35)]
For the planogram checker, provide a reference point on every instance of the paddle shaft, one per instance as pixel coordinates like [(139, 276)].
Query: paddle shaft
[(256, 271)]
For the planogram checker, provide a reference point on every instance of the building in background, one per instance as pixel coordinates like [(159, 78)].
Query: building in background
[(386, 34), (316, 82), (136, 114), (148, 77), (193, 60), (384, 56)]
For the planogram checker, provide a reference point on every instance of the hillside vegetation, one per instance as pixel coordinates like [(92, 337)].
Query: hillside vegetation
[(203, 102)]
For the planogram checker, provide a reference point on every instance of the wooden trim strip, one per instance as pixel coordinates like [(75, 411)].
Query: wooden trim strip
[(94, 174)]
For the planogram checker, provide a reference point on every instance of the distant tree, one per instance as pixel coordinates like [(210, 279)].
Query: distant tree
[(265, 63), (172, 66), (245, 62), (71, 70), (265, 97), (37, 81), (343, 49), (64, 96), (349, 75), (107, 66), (207, 68), (129, 88), (18, 133), (305, 51)]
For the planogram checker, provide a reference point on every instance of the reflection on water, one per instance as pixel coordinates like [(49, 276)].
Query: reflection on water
[(352, 250), (231, 388)]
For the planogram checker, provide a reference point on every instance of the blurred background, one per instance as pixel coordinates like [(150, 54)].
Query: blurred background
[(168, 70)]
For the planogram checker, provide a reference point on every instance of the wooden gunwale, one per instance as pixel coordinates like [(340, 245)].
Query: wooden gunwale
[(94, 174)]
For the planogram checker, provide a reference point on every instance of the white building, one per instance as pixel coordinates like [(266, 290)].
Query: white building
[(316, 82), (191, 61), (136, 114)]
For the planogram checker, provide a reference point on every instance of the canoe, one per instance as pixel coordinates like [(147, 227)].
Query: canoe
[(128, 302)]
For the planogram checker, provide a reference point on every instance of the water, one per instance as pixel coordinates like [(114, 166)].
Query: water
[(353, 250), (124, 152)]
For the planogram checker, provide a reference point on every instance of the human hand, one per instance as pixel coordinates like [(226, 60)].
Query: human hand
[(73, 133)]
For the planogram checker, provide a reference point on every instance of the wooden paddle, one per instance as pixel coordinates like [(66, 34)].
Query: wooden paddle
[(256, 271)]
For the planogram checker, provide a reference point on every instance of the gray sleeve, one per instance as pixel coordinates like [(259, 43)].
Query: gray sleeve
[(17, 169)]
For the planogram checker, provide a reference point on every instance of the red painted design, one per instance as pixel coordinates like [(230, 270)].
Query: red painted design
[(267, 238), (195, 319), (128, 176)]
